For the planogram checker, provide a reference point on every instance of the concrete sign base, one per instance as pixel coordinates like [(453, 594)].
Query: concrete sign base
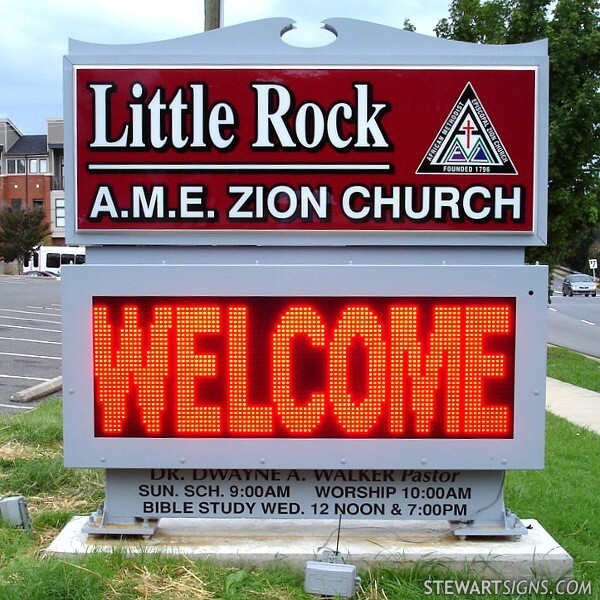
[(363, 542)]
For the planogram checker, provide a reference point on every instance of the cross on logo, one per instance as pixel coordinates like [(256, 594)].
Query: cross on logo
[(467, 128)]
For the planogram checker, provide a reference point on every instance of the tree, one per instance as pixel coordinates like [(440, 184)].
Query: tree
[(574, 48), (574, 195), (408, 26), (20, 232), (527, 21), (471, 21)]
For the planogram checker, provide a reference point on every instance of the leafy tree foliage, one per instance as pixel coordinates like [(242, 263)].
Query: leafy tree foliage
[(574, 47), (408, 26), (572, 29), (527, 21), (20, 232), (471, 21)]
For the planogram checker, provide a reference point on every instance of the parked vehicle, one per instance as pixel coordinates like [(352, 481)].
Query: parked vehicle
[(42, 274), (578, 283), (50, 259)]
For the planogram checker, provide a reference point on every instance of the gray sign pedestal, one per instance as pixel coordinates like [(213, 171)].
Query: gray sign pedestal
[(472, 501)]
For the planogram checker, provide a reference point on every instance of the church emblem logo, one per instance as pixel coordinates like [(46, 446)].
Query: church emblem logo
[(467, 142)]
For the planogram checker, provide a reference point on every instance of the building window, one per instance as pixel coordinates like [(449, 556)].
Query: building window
[(38, 203), (59, 212), (15, 166), (15, 204), (38, 165)]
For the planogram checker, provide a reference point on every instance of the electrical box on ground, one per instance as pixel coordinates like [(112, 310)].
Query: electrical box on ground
[(330, 579), (13, 511)]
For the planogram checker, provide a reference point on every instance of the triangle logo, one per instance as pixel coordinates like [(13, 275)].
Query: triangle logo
[(467, 142)]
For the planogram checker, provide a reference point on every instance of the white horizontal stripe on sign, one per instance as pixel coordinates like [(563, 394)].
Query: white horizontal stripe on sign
[(306, 167)]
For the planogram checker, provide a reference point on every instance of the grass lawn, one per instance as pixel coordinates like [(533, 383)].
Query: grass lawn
[(564, 497), (574, 368)]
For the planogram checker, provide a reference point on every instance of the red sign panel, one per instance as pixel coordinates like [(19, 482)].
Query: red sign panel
[(305, 149), (320, 367)]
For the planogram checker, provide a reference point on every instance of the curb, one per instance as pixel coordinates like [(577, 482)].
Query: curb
[(38, 391)]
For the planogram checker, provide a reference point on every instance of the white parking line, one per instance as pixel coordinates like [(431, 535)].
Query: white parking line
[(22, 377), (30, 355), (587, 322), (29, 320), (43, 308), (17, 406), (552, 309), (27, 312), (32, 328), (27, 340)]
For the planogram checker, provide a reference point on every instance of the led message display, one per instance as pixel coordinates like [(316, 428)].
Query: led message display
[(363, 148), (303, 367)]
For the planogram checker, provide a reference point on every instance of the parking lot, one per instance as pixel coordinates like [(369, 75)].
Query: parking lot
[(30, 336)]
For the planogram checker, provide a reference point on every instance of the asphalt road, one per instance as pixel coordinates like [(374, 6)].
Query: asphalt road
[(575, 323), (30, 336)]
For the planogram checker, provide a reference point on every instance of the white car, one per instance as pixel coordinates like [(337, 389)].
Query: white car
[(578, 283)]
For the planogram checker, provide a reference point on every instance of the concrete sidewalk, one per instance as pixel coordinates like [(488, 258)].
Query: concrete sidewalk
[(578, 405)]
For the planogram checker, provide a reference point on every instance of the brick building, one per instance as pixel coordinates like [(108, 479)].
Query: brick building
[(31, 173)]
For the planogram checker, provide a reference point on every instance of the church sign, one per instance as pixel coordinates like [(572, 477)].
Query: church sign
[(305, 266), (333, 149)]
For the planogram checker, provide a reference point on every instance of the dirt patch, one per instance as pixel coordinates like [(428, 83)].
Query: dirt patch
[(12, 450), (182, 584)]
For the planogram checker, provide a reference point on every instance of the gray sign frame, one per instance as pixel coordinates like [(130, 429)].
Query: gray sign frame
[(527, 284), (358, 43)]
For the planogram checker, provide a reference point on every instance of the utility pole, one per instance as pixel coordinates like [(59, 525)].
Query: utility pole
[(213, 17)]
